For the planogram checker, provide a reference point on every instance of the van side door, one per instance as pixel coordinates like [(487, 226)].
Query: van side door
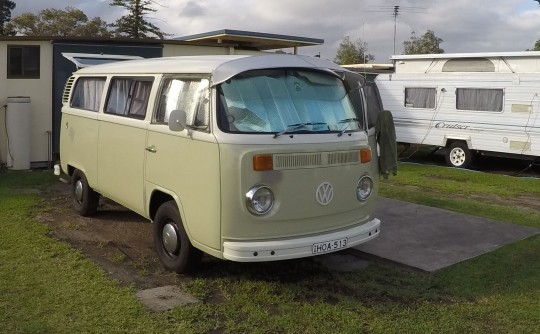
[(121, 142)]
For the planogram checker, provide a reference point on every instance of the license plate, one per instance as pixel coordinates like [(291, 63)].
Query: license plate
[(328, 246)]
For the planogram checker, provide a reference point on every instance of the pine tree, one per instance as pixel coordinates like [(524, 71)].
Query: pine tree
[(134, 23), (6, 6)]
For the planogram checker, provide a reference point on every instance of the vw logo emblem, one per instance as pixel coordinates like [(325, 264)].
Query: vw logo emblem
[(324, 193)]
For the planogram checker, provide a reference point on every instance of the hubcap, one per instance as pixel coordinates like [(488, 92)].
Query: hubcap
[(78, 191), (457, 157), (170, 238)]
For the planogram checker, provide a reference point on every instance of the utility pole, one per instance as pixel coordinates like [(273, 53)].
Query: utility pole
[(397, 11), (395, 14)]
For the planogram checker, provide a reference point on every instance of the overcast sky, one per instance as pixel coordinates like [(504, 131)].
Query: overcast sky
[(464, 25)]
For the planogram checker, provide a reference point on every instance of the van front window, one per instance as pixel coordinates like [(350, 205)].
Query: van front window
[(286, 100)]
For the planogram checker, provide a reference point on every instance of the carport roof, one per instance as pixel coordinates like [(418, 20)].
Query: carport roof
[(250, 39)]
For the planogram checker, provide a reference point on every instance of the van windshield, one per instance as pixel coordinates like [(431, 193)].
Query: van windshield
[(281, 101)]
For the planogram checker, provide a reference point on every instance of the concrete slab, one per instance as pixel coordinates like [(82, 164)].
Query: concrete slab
[(164, 298), (429, 239)]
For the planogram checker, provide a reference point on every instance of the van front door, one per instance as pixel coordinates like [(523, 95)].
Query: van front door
[(185, 164)]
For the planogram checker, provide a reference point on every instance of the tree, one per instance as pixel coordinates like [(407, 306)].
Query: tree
[(134, 24), (352, 53), (58, 22), (428, 43), (6, 6), (536, 46)]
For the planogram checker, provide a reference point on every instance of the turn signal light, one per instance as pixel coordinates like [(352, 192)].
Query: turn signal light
[(365, 155), (263, 162)]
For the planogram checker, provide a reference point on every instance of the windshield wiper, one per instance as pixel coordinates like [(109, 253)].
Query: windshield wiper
[(348, 121), (294, 127)]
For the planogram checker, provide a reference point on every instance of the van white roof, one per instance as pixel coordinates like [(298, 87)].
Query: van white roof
[(220, 67)]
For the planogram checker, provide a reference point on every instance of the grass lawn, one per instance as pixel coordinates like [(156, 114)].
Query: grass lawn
[(47, 287)]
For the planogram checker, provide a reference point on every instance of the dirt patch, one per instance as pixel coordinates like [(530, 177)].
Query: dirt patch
[(117, 239)]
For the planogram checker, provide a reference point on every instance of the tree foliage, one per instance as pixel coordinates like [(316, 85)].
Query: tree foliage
[(428, 43), (6, 6), (352, 53), (134, 23), (536, 46), (58, 22)]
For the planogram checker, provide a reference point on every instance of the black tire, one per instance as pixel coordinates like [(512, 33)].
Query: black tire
[(85, 199), (171, 241), (458, 155)]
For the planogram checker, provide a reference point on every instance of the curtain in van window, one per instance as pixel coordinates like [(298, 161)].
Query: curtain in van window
[(141, 92), (128, 97), (119, 96), (87, 93)]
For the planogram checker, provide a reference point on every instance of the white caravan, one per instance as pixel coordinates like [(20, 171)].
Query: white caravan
[(468, 103)]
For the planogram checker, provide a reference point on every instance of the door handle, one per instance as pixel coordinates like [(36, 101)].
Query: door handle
[(151, 149)]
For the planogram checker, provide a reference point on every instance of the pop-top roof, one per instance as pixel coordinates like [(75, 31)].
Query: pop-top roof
[(222, 67)]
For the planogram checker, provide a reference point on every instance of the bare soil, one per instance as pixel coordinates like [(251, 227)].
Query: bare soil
[(117, 239)]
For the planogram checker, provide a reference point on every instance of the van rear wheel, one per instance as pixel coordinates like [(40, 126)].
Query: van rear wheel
[(171, 241), (85, 199), (458, 155)]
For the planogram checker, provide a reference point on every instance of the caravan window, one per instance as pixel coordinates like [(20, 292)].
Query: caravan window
[(188, 94), (87, 93), (420, 97), (479, 99), (129, 97)]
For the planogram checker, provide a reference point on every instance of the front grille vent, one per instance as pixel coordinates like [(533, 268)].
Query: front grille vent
[(343, 158), (315, 160), (297, 160)]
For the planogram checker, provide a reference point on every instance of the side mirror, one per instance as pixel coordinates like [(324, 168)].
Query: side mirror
[(177, 120)]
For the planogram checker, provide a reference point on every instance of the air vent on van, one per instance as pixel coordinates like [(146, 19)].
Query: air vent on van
[(67, 89), (303, 160), (314, 160), (343, 158)]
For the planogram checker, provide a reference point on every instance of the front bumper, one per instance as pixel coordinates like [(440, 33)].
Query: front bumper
[(292, 248)]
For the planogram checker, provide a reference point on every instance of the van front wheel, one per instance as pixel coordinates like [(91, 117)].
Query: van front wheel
[(85, 199), (171, 240), (458, 155)]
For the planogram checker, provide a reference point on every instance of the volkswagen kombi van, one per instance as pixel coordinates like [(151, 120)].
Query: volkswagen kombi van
[(246, 158)]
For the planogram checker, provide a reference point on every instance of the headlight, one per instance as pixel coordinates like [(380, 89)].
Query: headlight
[(259, 200), (364, 188)]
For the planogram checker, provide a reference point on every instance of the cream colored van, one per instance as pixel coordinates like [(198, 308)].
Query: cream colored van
[(246, 158)]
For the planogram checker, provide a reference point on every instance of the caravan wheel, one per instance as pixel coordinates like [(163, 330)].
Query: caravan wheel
[(458, 155)]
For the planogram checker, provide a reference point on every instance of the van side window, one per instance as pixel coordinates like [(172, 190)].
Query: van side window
[(128, 97), (87, 93), (479, 99), (190, 95), (419, 97)]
